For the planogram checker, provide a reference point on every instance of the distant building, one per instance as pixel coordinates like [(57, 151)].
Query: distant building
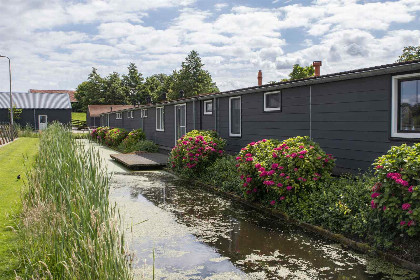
[(38, 109), (94, 112)]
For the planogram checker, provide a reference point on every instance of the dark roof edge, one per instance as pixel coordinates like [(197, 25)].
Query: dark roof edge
[(347, 75)]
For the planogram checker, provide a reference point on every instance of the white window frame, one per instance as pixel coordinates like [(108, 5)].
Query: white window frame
[(265, 101), (118, 116), (162, 119), (129, 114), (185, 118), (230, 117), (205, 107), (394, 108), (144, 113)]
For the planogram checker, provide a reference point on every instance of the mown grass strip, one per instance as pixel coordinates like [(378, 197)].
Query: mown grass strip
[(77, 116), (14, 159), (69, 229)]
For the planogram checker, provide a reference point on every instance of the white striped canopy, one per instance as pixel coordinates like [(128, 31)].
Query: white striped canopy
[(40, 100)]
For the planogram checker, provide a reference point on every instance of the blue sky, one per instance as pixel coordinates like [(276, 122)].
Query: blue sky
[(54, 44)]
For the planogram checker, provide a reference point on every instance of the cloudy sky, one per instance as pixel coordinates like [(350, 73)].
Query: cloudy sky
[(54, 44)]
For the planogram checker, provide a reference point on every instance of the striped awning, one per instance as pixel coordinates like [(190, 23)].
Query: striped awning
[(24, 100)]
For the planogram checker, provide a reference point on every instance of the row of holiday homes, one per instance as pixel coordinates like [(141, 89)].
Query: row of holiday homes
[(355, 115)]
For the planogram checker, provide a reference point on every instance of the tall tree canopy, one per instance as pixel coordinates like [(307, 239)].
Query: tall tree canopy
[(133, 85), (192, 79), (409, 53), (132, 88)]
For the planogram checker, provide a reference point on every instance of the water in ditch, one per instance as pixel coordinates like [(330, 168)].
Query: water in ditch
[(193, 233)]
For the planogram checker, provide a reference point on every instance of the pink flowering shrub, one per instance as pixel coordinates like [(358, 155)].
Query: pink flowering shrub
[(195, 151), (396, 193), (252, 161), (115, 136), (284, 169), (100, 133)]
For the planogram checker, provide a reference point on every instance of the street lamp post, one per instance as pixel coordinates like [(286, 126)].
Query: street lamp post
[(11, 98)]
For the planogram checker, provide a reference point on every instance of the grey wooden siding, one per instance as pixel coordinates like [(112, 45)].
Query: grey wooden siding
[(207, 121), (351, 120), (291, 121)]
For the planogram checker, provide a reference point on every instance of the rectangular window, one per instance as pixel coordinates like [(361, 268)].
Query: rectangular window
[(160, 117), (272, 101), (118, 116), (235, 116), (208, 107), (406, 106), (144, 113), (130, 115)]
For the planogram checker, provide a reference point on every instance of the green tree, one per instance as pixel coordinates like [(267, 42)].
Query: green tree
[(91, 91), (113, 90), (192, 79), (300, 72), (133, 84), (409, 53), (156, 87)]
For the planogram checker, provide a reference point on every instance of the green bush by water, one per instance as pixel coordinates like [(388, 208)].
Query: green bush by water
[(223, 174), (139, 146), (68, 228)]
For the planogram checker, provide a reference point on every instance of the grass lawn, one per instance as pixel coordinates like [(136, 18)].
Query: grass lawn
[(13, 163), (78, 116)]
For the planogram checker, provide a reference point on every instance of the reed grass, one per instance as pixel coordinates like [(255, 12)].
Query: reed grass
[(69, 228)]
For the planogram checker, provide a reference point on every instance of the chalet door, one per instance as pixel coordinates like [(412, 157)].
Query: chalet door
[(180, 121), (42, 122)]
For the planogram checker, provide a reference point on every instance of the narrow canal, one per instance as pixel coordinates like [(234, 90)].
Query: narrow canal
[(197, 234), (193, 233)]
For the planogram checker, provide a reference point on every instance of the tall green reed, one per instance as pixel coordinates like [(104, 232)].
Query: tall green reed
[(69, 228)]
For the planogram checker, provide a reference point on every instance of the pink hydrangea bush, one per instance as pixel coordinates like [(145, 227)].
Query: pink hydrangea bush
[(101, 132), (195, 151), (396, 193), (252, 160), (115, 136), (285, 169)]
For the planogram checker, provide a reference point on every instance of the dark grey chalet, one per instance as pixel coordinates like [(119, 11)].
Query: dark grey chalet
[(38, 108), (355, 115)]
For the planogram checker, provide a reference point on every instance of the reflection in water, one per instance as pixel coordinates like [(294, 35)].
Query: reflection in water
[(263, 247)]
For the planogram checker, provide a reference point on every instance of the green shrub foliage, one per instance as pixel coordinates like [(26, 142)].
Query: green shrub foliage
[(195, 151), (222, 174), (288, 169), (396, 193), (134, 136), (139, 146), (115, 136)]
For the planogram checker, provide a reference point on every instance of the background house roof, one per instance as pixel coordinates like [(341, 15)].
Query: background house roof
[(24, 100), (97, 110), (69, 92)]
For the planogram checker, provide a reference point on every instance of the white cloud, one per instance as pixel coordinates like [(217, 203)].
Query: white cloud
[(54, 43)]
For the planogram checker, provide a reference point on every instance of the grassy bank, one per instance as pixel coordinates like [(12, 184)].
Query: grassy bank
[(76, 116), (68, 228), (14, 159)]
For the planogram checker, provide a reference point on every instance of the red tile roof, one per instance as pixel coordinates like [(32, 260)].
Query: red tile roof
[(97, 110), (69, 92)]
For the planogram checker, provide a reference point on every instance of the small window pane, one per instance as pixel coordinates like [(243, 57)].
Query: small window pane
[(235, 116), (410, 106), (272, 101)]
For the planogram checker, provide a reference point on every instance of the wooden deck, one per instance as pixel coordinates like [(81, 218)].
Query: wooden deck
[(141, 161)]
